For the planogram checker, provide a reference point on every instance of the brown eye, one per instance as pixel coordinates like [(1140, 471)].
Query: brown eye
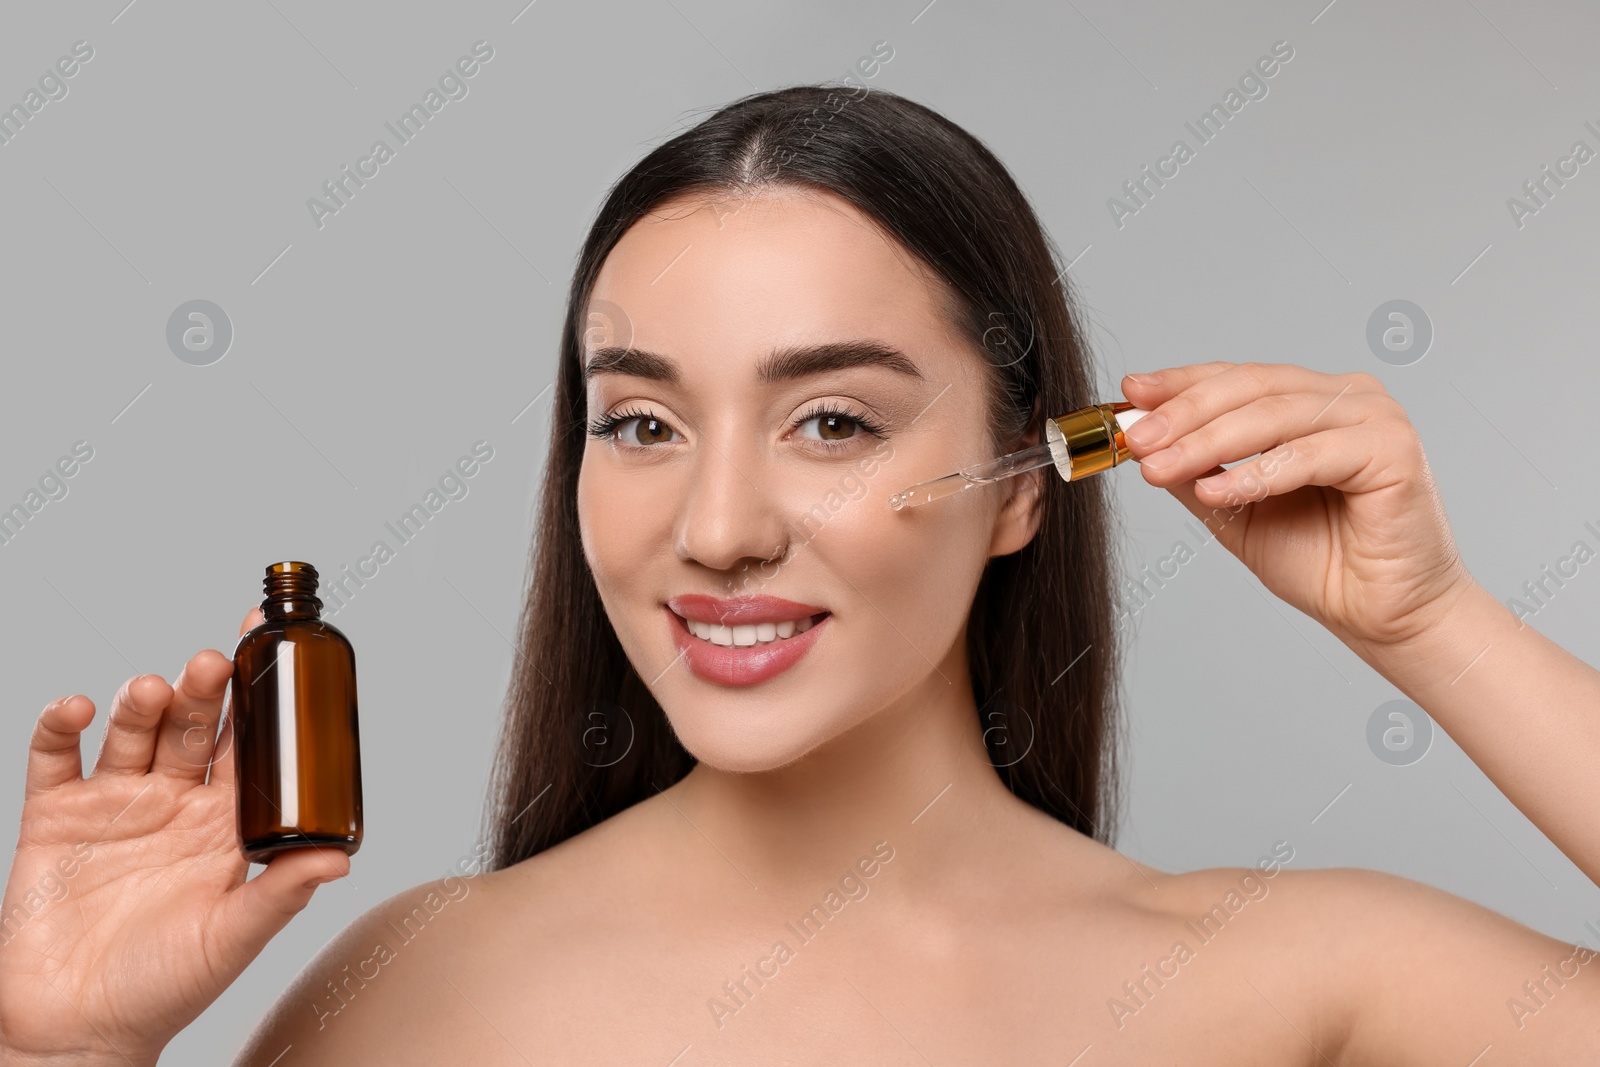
[(828, 425), (837, 428), (834, 427), (650, 431), (619, 429)]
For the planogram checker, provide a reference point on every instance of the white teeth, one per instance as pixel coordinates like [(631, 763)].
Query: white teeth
[(747, 635)]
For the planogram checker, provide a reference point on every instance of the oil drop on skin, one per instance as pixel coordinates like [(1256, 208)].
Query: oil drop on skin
[(296, 747)]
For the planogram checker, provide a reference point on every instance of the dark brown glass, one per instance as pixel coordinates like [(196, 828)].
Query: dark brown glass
[(296, 747)]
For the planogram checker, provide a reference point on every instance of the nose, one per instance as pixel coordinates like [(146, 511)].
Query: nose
[(729, 516)]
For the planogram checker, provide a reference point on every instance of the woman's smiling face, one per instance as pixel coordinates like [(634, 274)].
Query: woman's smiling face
[(721, 446)]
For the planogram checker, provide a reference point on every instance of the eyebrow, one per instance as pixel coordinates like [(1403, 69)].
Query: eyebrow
[(784, 364)]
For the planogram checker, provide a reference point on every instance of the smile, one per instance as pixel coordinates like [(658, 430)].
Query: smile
[(751, 635), (744, 654)]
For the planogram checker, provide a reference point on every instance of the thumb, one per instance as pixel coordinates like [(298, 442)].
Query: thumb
[(253, 913), (252, 619)]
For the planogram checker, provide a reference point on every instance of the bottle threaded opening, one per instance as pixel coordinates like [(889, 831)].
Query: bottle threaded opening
[(291, 582)]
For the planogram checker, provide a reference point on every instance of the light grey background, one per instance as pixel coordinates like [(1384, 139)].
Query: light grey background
[(370, 354)]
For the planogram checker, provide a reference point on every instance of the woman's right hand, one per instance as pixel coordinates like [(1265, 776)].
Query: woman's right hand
[(127, 911)]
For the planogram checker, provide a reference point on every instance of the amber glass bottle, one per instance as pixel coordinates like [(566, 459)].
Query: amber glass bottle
[(296, 749)]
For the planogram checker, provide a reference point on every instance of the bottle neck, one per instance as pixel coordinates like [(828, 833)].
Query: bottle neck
[(291, 592), (291, 609)]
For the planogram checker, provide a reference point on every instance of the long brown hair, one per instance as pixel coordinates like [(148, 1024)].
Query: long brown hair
[(582, 737)]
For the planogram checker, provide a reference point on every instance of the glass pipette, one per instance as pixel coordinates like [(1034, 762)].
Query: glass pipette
[(1077, 444)]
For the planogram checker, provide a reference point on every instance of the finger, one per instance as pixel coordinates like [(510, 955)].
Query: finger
[(1202, 391), (1189, 397), (1256, 426), (222, 758), (190, 726), (253, 913), (1341, 459), (1225, 519), (130, 737), (53, 755), (1170, 381)]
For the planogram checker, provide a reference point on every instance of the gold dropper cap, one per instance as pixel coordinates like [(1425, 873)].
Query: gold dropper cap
[(1090, 440), (1077, 444)]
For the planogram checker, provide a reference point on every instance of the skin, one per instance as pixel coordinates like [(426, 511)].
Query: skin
[(985, 930)]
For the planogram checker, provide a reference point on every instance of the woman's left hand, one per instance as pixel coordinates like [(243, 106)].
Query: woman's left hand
[(1338, 516)]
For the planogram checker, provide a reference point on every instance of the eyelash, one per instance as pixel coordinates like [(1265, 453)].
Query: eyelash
[(604, 426)]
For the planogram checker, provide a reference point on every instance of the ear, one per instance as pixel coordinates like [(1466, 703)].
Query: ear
[(1023, 505)]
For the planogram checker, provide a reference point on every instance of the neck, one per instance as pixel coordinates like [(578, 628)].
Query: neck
[(915, 775)]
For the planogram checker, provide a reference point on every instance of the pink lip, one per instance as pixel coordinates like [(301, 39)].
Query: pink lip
[(740, 610), (726, 665)]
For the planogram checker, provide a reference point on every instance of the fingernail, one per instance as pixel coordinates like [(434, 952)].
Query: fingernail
[(1148, 430), (1157, 460), (1216, 481), (1146, 379)]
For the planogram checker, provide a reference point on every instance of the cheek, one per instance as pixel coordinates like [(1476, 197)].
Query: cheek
[(911, 574), (621, 525)]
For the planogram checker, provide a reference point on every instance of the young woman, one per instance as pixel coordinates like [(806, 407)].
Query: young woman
[(828, 848)]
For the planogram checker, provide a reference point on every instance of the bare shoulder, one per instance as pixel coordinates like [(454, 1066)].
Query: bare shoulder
[(1402, 972), (382, 982), (404, 978)]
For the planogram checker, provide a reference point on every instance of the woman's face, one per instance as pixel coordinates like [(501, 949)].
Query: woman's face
[(735, 475)]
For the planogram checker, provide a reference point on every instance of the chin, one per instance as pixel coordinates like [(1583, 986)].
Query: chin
[(744, 747)]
